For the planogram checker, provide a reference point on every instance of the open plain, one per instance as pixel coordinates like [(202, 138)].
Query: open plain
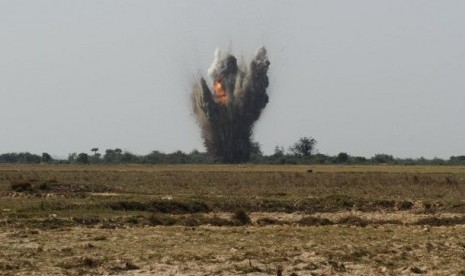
[(228, 220)]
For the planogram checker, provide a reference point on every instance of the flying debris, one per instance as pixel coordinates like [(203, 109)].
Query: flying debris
[(227, 112)]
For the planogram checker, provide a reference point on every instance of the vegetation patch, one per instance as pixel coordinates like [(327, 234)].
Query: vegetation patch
[(21, 186), (89, 221), (268, 221), (241, 217), (218, 221), (126, 267), (404, 205), (437, 221), (354, 221), (165, 206), (84, 262), (311, 221), (53, 214), (160, 219)]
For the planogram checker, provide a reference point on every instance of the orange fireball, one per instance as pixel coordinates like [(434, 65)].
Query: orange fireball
[(220, 92)]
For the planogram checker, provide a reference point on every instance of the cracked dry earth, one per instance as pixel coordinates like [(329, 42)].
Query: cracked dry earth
[(253, 250)]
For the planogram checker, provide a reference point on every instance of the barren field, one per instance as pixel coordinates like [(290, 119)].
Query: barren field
[(228, 220)]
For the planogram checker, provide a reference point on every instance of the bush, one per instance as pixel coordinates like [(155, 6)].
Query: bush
[(157, 219), (342, 157), (354, 221), (217, 221), (89, 262), (21, 187), (405, 205), (436, 221), (175, 207), (382, 158), (242, 217), (308, 221), (82, 158)]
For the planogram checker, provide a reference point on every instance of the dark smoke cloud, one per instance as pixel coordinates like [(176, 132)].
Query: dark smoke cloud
[(228, 111)]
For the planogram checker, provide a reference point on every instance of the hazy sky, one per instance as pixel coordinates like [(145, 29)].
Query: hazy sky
[(363, 77)]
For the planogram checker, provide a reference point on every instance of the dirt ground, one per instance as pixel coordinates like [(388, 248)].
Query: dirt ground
[(253, 250), (232, 221)]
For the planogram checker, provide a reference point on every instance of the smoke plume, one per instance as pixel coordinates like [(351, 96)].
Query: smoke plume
[(228, 110)]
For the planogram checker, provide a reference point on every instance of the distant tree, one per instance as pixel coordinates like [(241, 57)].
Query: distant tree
[(438, 161), (46, 158), (94, 150), (128, 157), (278, 151), (22, 158), (95, 159), (82, 158), (72, 157), (9, 158), (320, 158), (359, 159), (197, 157), (457, 159), (383, 158), (155, 157), (28, 158), (177, 157), (342, 157), (113, 155), (304, 147), (255, 151)]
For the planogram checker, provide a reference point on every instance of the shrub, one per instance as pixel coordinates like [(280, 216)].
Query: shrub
[(158, 219), (22, 186), (353, 220), (242, 217), (89, 262), (175, 207), (268, 221), (217, 221), (132, 220), (436, 221), (44, 186), (405, 205), (87, 220), (194, 220), (310, 220), (131, 266)]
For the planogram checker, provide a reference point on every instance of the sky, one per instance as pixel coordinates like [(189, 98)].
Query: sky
[(362, 77)]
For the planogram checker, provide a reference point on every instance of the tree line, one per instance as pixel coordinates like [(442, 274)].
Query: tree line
[(301, 152)]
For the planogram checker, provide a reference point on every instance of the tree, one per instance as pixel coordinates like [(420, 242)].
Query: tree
[(342, 157), (128, 157), (22, 158), (320, 158), (155, 157), (94, 150), (278, 151), (46, 157), (82, 158), (255, 151), (72, 157), (304, 147), (113, 156), (359, 159), (382, 158)]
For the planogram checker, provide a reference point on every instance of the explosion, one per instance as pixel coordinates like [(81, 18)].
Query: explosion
[(227, 113), (220, 93)]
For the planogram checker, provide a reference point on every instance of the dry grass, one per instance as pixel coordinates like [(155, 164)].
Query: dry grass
[(231, 219), (209, 250)]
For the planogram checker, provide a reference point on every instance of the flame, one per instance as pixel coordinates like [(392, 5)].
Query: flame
[(220, 92)]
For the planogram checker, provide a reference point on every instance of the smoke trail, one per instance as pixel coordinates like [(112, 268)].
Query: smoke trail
[(227, 113)]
